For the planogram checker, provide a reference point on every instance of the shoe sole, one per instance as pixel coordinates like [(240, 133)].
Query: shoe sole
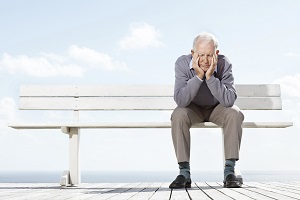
[(186, 186), (234, 184)]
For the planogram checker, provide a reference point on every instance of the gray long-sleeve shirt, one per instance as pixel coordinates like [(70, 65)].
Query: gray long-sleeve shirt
[(218, 89)]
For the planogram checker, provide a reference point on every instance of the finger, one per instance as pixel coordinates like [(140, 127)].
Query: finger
[(214, 60), (216, 57), (195, 56)]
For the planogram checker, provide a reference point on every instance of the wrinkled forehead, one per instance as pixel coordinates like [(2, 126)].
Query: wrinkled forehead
[(206, 47)]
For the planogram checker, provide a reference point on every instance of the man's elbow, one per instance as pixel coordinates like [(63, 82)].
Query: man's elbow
[(229, 104), (181, 103)]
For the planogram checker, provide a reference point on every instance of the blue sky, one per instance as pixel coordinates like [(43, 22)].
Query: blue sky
[(126, 42)]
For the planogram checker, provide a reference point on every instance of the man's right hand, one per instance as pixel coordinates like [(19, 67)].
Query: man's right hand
[(198, 70)]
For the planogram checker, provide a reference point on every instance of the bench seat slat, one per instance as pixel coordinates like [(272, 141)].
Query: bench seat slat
[(132, 103), (268, 90), (145, 125), (243, 90)]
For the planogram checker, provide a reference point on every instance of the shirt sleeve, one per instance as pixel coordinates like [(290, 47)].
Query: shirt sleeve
[(224, 90), (185, 88)]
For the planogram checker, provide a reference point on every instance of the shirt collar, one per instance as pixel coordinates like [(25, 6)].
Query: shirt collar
[(191, 65)]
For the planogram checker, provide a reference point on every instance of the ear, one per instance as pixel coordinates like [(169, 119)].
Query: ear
[(217, 52), (192, 51)]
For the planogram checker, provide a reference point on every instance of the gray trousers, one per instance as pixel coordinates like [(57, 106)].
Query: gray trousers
[(231, 118)]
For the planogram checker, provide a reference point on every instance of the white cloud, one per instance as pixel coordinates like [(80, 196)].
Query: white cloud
[(7, 113), (75, 62), (291, 55), (7, 108), (141, 36), (42, 66), (95, 59), (290, 85)]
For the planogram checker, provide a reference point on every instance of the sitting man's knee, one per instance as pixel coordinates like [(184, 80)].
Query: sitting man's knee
[(179, 114), (235, 114)]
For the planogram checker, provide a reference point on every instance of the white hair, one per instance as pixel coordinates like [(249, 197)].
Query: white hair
[(205, 37)]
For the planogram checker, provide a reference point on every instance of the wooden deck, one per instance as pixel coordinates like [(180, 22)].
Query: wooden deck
[(152, 191)]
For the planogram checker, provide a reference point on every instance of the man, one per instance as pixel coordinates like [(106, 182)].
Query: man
[(204, 91)]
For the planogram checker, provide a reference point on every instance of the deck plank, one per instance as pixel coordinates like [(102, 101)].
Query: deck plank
[(149, 191), (89, 191), (235, 194), (262, 190), (196, 193), (285, 186), (132, 191), (163, 192), (277, 190), (293, 185), (251, 194), (212, 192), (179, 194), (115, 191)]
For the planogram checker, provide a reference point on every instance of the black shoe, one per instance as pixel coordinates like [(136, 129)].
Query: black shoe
[(232, 182), (181, 182)]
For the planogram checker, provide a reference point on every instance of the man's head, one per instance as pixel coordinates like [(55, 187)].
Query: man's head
[(205, 46)]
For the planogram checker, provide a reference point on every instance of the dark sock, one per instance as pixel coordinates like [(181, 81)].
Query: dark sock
[(184, 168), (229, 167)]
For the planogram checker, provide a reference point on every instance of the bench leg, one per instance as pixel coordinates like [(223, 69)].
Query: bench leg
[(73, 176), (237, 172), (65, 179)]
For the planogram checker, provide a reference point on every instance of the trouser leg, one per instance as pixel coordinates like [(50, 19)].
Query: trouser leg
[(181, 121), (231, 118)]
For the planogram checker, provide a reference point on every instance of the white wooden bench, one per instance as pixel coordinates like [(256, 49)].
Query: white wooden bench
[(127, 97)]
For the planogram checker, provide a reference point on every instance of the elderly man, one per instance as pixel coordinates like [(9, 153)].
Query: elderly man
[(204, 91)]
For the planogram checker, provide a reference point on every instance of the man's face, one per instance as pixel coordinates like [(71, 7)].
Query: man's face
[(205, 50)]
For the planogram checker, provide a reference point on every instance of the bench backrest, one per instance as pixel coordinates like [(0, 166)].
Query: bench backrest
[(133, 97)]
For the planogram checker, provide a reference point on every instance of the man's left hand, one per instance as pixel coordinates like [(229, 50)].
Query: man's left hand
[(212, 67)]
